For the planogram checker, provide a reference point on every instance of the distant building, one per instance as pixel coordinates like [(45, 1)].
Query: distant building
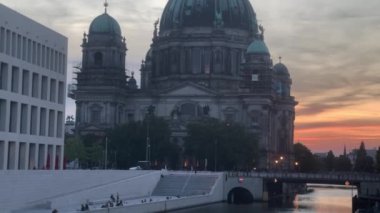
[(207, 59), (32, 93)]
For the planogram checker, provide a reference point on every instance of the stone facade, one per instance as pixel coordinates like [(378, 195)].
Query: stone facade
[(193, 69)]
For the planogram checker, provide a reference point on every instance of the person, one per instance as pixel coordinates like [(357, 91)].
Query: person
[(82, 208), (117, 198), (54, 211), (112, 198), (119, 203)]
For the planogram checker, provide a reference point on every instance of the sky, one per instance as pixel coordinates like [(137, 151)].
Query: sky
[(331, 48)]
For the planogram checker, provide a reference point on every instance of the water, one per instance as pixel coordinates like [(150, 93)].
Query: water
[(321, 200)]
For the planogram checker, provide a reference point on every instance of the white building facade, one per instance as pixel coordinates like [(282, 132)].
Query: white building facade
[(33, 62)]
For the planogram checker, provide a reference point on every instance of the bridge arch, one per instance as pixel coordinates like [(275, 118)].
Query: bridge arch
[(239, 195)]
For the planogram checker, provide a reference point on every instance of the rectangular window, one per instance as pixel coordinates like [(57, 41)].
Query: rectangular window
[(13, 44), (2, 154), (19, 46), (42, 122), (43, 56), (44, 88), (39, 54), (51, 123), (34, 53), (4, 76), (33, 120), (53, 90), (60, 125), (35, 85), (3, 114), (8, 42), (15, 79), (25, 82), (24, 119), (24, 49), (51, 53), (61, 92), (29, 51), (13, 117), (47, 57), (2, 39)]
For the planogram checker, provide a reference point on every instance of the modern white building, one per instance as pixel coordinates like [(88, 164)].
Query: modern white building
[(33, 62)]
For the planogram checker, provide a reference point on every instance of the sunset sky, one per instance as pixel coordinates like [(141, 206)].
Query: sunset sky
[(331, 48)]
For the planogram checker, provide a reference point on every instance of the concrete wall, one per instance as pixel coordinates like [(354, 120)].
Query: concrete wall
[(254, 185), (140, 186)]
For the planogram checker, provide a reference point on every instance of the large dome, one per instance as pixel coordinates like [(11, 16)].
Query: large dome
[(236, 14), (105, 24)]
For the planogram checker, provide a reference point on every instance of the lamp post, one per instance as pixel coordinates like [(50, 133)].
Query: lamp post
[(105, 158), (150, 113), (215, 154)]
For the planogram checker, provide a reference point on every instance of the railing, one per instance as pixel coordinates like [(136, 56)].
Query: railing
[(326, 177)]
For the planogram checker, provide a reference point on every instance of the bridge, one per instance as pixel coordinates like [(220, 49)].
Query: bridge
[(245, 187), (322, 178)]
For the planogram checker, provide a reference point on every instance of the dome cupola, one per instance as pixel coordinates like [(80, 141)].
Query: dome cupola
[(258, 47), (105, 24), (281, 69), (235, 14)]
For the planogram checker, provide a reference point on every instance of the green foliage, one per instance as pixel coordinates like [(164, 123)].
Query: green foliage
[(363, 162), (74, 149), (330, 161), (128, 142), (307, 161), (343, 164), (229, 145)]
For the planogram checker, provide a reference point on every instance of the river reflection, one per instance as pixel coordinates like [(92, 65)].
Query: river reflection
[(325, 199)]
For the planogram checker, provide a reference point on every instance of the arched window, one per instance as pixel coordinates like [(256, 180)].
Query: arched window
[(98, 59)]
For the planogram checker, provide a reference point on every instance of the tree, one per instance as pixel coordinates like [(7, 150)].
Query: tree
[(75, 149), (226, 146), (330, 161), (343, 164), (378, 160), (128, 143), (307, 161), (363, 163)]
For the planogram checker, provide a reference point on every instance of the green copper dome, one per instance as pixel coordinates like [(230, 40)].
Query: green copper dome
[(105, 24), (258, 47), (236, 14)]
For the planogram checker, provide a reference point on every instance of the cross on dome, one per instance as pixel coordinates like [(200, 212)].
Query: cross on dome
[(105, 6)]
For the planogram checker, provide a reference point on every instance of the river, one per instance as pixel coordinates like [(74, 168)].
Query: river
[(323, 199)]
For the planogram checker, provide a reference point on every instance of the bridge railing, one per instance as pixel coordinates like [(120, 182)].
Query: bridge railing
[(353, 177)]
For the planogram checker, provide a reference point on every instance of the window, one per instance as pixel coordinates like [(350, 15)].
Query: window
[(188, 111), (47, 57), (34, 53), (15, 79), (95, 112), (61, 91), (44, 88), (33, 120), (2, 39), (2, 154), (3, 114), (196, 60), (43, 56), (19, 46), (98, 59), (39, 54), (24, 49), (60, 125), (29, 50), (13, 44), (25, 82), (35, 85), (53, 90), (4, 76), (51, 123), (42, 122), (13, 117), (8, 42), (24, 119)]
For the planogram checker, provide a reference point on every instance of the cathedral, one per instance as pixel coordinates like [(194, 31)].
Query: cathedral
[(207, 58)]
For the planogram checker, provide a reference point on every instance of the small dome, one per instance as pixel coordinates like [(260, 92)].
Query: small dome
[(258, 47), (105, 24), (280, 68)]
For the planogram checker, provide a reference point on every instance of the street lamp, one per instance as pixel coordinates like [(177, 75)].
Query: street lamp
[(150, 113), (105, 158)]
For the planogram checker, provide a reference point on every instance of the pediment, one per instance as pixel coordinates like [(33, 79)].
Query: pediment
[(189, 90)]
